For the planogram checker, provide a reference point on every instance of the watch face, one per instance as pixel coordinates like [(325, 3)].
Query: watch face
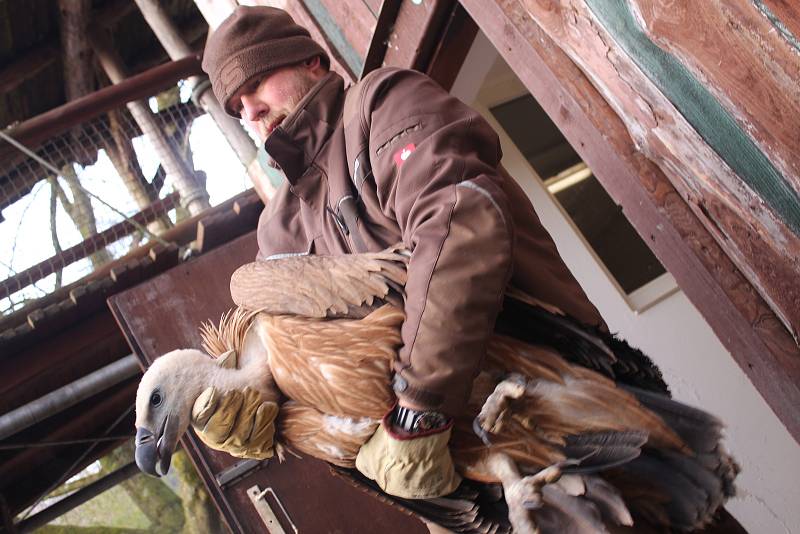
[(429, 421)]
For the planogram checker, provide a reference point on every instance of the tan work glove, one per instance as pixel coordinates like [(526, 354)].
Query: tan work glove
[(411, 466), (238, 422)]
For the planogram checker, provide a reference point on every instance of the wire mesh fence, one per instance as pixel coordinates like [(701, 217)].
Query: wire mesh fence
[(104, 187)]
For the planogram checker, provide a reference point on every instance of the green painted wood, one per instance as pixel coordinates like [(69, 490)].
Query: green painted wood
[(706, 115), (779, 26), (331, 30)]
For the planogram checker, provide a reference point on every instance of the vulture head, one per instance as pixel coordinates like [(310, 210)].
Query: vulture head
[(164, 403)]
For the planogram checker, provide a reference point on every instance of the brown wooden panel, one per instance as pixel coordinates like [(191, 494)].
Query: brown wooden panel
[(416, 33), (751, 68), (163, 314), (752, 235), (737, 314), (457, 38)]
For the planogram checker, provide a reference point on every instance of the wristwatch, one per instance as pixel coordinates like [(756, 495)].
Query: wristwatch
[(413, 421)]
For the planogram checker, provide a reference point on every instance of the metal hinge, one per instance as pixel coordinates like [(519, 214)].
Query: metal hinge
[(238, 471), (265, 511)]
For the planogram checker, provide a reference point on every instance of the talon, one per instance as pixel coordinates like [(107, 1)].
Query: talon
[(480, 432), (491, 415)]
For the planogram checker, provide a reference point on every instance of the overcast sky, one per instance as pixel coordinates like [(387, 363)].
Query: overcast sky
[(25, 233)]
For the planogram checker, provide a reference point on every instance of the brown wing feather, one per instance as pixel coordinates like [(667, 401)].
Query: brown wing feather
[(318, 286), (339, 366)]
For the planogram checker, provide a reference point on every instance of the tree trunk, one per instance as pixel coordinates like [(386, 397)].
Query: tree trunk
[(123, 157), (80, 211)]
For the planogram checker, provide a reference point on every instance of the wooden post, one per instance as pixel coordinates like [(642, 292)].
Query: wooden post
[(176, 48), (193, 196)]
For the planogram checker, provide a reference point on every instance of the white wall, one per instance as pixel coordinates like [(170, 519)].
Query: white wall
[(699, 370)]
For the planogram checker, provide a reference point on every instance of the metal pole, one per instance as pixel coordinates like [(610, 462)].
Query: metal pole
[(67, 396), (79, 497), (232, 130)]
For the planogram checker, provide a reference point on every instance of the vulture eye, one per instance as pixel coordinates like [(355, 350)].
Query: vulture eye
[(155, 398)]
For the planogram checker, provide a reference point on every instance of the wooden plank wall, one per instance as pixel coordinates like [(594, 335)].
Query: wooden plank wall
[(747, 198), (647, 156)]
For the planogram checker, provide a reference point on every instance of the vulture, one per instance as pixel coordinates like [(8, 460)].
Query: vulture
[(567, 429)]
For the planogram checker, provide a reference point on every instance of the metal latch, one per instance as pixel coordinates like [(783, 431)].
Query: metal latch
[(264, 510), (238, 471)]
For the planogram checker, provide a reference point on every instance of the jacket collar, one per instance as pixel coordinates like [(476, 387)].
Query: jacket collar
[(296, 142)]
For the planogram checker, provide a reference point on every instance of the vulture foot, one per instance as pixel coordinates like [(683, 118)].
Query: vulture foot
[(522, 494), (490, 419)]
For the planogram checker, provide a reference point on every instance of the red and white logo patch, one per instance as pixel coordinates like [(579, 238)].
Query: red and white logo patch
[(402, 155)]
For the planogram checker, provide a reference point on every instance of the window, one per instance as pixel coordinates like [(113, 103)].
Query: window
[(601, 222)]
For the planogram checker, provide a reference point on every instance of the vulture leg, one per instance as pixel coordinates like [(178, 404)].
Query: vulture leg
[(523, 494), (490, 419)]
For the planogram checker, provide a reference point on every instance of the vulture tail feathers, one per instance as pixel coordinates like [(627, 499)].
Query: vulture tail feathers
[(599, 451), (678, 488), (701, 431), (581, 344)]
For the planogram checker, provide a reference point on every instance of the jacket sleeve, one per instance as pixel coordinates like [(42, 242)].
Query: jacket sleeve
[(434, 162)]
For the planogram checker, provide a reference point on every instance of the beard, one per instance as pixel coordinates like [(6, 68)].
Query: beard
[(301, 83)]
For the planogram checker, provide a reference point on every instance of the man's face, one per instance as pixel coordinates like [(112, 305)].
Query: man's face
[(266, 100)]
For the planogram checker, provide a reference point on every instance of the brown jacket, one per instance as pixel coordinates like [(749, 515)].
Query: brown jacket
[(436, 185)]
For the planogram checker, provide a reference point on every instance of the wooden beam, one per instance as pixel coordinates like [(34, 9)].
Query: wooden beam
[(194, 197), (784, 16), (457, 38), (748, 66), (86, 247), (380, 37), (38, 129), (713, 164), (738, 315), (302, 17), (74, 20), (416, 33), (89, 294)]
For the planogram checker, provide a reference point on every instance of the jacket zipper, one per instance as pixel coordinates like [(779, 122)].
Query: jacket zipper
[(339, 220)]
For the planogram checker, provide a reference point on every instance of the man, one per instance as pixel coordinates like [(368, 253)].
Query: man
[(426, 171)]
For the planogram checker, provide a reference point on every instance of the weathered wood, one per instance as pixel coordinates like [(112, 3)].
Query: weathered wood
[(749, 67), (86, 247), (456, 41), (302, 17), (784, 15), (355, 20), (380, 37), (754, 236), (223, 226), (98, 285), (18, 78), (36, 130), (737, 314), (77, 53), (416, 33)]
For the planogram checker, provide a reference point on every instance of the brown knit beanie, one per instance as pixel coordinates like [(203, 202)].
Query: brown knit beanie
[(254, 40)]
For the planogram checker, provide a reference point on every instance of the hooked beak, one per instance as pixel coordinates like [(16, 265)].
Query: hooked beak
[(154, 453)]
